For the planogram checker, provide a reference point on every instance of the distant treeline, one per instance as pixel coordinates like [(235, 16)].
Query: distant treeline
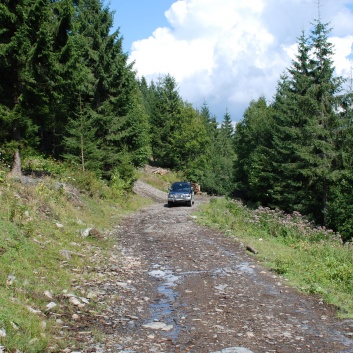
[(68, 92)]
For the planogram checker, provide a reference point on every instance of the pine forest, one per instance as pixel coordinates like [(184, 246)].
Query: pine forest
[(69, 94)]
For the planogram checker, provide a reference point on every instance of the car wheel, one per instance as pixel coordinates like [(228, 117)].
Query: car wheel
[(170, 204), (189, 203)]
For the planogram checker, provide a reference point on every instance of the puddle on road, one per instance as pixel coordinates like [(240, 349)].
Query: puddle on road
[(162, 310)]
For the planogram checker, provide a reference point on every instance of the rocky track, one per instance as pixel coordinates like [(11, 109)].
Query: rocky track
[(173, 286)]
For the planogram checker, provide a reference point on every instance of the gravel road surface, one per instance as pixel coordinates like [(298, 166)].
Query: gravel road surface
[(175, 286)]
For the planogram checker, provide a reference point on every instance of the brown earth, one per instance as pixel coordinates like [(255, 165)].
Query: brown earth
[(171, 285)]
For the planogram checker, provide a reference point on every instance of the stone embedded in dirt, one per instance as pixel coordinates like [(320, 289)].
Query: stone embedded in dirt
[(65, 254), (86, 232), (92, 295), (14, 326), (2, 332), (33, 311), (75, 301), (84, 300), (234, 350), (221, 287), (50, 306), (10, 280), (158, 326), (48, 294), (126, 286)]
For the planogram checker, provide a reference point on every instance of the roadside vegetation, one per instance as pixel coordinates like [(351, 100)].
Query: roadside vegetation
[(312, 259), (159, 178), (42, 247)]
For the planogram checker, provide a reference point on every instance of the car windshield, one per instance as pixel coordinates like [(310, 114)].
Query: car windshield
[(180, 187)]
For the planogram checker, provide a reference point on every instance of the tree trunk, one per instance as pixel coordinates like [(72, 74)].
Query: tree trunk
[(16, 167)]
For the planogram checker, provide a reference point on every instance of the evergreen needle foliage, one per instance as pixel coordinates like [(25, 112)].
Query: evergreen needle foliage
[(292, 154)]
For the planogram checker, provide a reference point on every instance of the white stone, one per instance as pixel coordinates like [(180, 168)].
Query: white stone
[(51, 305), (33, 311), (74, 301), (86, 233), (84, 300), (48, 294), (10, 280), (158, 326), (14, 326), (66, 254), (234, 350)]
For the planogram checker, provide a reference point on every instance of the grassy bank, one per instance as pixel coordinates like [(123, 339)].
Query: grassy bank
[(313, 259), (159, 178), (41, 248)]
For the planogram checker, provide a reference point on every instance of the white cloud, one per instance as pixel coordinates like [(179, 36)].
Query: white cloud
[(343, 51), (230, 52)]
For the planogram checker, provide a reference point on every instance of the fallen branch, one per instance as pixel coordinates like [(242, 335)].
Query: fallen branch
[(251, 249)]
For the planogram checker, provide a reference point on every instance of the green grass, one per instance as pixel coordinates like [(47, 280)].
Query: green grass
[(312, 259), (161, 182), (37, 221)]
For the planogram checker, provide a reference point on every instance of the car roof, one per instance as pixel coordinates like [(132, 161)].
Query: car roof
[(181, 183)]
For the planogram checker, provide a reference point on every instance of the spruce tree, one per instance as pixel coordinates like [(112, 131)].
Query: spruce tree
[(26, 39), (211, 168), (82, 146), (107, 86), (291, 115), (254, 177), (225, 155), (306, 126), (164, 120), (188, 142)]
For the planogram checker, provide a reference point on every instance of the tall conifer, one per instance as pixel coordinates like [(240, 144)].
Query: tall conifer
[(306, 125)]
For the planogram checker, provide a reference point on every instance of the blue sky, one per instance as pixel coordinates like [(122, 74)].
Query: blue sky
[(226, 52), (138, 19)]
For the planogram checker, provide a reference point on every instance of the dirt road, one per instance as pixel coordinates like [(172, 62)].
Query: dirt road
[(180, 287)]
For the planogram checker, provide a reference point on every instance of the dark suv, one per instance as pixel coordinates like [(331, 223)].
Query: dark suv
[(181, 192)]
